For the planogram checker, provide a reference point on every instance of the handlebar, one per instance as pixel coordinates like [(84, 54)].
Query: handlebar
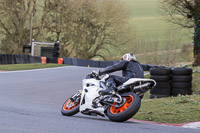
[(94, 75)]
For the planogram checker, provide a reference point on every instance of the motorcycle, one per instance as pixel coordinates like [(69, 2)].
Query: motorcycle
[(118, 106)]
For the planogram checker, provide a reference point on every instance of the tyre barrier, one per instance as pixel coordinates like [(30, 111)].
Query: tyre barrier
[(160, 71), (171, 82), (181, 71), (181, 81), (162, 76)]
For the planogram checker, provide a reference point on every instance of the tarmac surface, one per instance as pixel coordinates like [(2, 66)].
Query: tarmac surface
[(30, 102)]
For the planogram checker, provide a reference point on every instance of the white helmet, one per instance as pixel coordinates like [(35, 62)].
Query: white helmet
[(129, 57)]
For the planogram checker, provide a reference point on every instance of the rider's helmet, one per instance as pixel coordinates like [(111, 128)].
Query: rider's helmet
[(129, 57)]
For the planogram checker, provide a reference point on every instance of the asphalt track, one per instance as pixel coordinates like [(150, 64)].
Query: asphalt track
[(30, 102)]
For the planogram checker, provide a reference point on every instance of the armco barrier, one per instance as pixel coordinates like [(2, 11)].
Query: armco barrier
[(84, 62), (74, 62), (67, 61), (102, 64), (22, 59), (18, 59), (87, 63), (95, 64), (109, 63)]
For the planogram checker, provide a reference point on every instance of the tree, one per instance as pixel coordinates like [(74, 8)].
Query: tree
[(89, 28), (15, 24), (185, 13)]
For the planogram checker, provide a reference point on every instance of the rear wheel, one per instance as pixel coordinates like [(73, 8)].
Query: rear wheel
[(125, 112), (70, 108)]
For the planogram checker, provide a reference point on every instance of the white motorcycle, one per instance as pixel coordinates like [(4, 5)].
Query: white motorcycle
[(118, 106)]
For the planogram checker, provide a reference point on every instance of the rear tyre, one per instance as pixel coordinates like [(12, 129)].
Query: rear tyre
[(70, 108), (127, 111)]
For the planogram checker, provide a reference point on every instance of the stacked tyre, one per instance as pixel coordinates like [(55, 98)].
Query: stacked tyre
[(162, 76), (181, 81)]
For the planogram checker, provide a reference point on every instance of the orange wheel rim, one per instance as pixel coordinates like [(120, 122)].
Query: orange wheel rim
[(129, 101), (69, 105)]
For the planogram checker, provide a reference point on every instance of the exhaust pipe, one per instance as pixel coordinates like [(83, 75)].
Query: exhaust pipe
[(142, 88)]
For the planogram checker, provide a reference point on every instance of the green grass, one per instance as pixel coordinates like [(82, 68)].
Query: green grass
[(142, 8), (150, 25), (196, 80), (179, 109), (27, 66)]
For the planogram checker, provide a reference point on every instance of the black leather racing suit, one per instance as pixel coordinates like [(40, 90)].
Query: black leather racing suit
[(130, 69)]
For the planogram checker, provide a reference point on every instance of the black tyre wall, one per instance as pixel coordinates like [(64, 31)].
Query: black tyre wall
[(182, 85), (181, 78), (163, 85), (181, 71), (161, 91), (164, 78), (181, 81), (160, 71)]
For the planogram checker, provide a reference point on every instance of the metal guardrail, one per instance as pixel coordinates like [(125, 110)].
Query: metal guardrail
[(18, 59), (24, 59)]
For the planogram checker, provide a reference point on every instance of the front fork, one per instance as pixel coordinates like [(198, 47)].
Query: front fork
[(76, 97)]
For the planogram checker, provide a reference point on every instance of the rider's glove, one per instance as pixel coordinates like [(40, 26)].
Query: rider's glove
[(96, 73)]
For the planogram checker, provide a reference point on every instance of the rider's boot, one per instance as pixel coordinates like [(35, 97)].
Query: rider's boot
[(111, 89)]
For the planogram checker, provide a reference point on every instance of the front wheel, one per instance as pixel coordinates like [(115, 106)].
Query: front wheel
[(128, 110), (70, 108)]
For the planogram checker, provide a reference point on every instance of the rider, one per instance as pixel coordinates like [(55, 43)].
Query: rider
[(130, 67)]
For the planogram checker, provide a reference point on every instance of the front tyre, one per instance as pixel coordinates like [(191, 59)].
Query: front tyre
[(70, 108), (127, 111)]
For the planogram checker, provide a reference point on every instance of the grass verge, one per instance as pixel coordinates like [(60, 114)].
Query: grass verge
[(15, 67), (181, 109)]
